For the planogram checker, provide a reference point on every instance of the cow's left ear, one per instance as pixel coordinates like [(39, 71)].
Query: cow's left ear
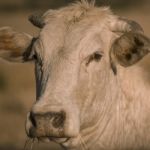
[(13, 44), (129, 49)]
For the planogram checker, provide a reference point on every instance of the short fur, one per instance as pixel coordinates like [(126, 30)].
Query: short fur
[(103, 111)]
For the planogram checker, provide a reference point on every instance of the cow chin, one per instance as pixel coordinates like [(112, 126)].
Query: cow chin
[(70, 143), (65, 142), (61, 141)]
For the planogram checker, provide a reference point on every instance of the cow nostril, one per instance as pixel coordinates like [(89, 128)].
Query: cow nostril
[(49, 124), (54, 119), (32, 119), (58, 120)]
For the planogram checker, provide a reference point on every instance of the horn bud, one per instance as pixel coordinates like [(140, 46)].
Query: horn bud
[(124, 25), (37, 20)]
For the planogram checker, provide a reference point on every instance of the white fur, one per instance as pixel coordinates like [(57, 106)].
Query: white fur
[(104, 111)]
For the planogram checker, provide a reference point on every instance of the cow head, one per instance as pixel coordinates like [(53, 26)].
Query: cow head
[(74, 56)]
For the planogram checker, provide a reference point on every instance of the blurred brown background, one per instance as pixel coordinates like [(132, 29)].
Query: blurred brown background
[(17, 87)]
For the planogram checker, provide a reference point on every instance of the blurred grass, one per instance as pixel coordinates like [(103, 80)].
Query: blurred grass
[(3, 82)]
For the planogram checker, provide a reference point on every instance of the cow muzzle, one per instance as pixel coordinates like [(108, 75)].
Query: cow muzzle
[(50, 124), (57, 126)]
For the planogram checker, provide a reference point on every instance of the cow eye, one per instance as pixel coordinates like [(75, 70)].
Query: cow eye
[(96, 56)]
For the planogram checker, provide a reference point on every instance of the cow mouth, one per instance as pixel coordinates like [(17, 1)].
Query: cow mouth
[(58, 140), (48, 138), (57, 137), (50, 134), (65, 141)]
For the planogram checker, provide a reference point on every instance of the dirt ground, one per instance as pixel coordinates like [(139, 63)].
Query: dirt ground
[(17, 86)]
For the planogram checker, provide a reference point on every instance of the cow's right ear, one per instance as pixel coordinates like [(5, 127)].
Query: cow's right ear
[(13, 44)]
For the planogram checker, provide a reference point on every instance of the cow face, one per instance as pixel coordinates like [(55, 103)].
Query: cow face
[(75, 57), (74, 64), (68, 66)]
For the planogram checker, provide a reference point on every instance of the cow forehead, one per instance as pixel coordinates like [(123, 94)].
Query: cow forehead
[(74, 28)]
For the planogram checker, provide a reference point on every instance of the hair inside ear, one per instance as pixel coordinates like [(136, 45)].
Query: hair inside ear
[(138, 42)]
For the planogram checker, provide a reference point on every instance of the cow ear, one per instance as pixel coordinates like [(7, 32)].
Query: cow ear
[(129, 49), (13, 44)]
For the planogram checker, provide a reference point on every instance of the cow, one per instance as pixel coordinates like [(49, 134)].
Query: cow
[(90, 90)]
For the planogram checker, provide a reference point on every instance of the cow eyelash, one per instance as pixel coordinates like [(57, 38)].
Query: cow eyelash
[(96, 56)]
